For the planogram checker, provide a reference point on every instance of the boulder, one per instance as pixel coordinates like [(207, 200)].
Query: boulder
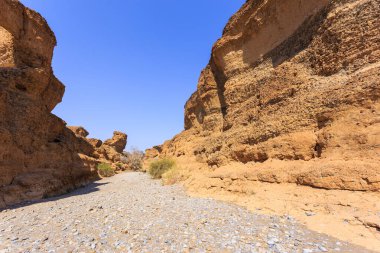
[(96, 143), (118, 141), (79, 131)]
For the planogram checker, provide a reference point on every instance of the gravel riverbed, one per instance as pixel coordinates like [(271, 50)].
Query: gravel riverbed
[(132, 213)]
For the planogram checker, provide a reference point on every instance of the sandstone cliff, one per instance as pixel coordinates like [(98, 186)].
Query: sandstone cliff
[(289, 100), (39, 156), (292, 91)]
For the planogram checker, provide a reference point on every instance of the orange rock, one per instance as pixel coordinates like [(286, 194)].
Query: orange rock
[(118, 141), (296, 82), (78, 130), (95, 142), (39, 155)]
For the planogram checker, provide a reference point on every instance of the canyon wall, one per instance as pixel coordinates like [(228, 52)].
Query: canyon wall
[(39, 155), (292, 92)]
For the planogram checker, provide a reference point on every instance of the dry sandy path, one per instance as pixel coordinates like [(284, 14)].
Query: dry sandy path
[(132, 213)]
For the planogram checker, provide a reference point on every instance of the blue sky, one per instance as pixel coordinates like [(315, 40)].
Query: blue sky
[(131, 65)]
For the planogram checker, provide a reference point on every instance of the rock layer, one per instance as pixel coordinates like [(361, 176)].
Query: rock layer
[(291, 90), (39, 156), (109, 151)]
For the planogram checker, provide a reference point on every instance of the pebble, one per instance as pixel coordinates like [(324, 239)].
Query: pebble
[(310, 214), (132, 213)]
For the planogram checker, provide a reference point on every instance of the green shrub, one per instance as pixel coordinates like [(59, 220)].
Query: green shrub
[(159, 167), (105, 170)]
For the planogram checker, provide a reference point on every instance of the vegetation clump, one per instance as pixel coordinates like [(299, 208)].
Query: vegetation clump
[(134, 159), (175, 175), (105, 170), (161, 166), (120, 166)]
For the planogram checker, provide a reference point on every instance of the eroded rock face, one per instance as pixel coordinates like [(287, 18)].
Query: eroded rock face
[(111, 151), (153, 152), (292, 81), (39, 155), (118, 141), (96, 143), (78, 130)]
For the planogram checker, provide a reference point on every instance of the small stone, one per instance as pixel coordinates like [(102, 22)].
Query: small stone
[(274, 226), (271, 243), (309, 214)]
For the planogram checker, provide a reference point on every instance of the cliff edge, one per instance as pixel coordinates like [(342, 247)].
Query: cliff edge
[(286, 119), (292, 91), (39, 155)]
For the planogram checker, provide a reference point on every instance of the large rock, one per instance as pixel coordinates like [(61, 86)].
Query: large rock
[(96, 143), (39, 156), (118, 141), (295, 81), (111, 151), (78, 130), (153, 152)]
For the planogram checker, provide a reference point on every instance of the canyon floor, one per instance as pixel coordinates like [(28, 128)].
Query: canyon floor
[(133, 213)]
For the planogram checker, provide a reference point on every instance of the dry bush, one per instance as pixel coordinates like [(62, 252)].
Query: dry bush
[(134, 159), (175, 175), (159, 167)]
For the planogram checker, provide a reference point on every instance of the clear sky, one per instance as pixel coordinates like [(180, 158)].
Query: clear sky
[(131, 65)]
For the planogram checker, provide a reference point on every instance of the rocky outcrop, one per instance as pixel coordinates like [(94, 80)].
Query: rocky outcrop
[(109, 151), (39, 155), (292, 91), (153, 152), (96, 143), (117, 142), (78, 130)]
